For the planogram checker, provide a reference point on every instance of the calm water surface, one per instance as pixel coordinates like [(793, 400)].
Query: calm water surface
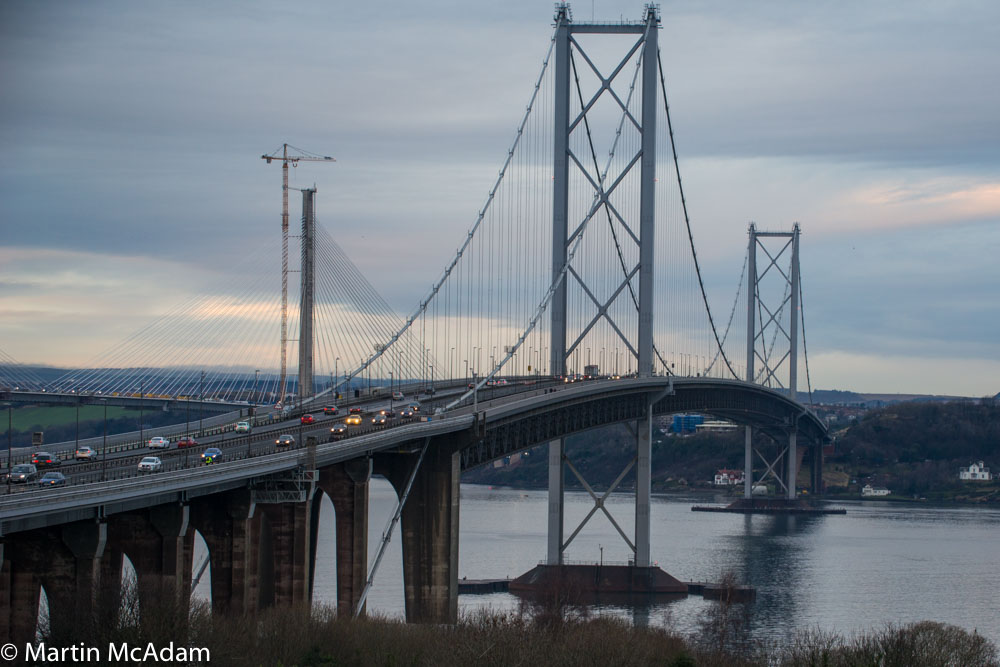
[(881, 562)]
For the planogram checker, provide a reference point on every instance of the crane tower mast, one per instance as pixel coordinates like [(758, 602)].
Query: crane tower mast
[(285, 159)]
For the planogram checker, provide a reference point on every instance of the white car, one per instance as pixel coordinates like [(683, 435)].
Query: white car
[(150, 464), (158, 442), (397, 396), (242, 427)]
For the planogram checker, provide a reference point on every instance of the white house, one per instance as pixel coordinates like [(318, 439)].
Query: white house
[(728, 477), (869, 490), (975, 471)]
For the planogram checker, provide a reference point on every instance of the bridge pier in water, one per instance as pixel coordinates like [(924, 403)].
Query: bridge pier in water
[(429, 530)]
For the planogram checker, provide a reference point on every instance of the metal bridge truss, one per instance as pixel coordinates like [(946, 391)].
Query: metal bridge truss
[(777, 318)]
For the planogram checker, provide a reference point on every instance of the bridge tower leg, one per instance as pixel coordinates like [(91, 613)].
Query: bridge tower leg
[(751, 346), (308, 276), (643, 486), (556, 497)]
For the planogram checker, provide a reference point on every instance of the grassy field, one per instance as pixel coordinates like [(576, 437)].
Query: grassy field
[(28, 418)]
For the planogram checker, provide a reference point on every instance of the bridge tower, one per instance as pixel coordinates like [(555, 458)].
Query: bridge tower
[(308, 279), (781, 322), (563, 161)]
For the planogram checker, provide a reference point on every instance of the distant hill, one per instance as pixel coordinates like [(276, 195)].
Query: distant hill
[(839, 397)]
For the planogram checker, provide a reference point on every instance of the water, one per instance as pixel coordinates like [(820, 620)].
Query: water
[(881, 562)]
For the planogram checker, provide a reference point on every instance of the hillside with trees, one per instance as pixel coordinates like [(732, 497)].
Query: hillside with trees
[(913, 448)]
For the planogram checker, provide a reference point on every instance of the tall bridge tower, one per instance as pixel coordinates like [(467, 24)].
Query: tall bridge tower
[(642, 230), (308, 282)]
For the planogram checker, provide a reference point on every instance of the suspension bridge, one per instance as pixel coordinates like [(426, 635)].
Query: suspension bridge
[(573, 300)]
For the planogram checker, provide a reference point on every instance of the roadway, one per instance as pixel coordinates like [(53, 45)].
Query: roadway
[(120, 461)]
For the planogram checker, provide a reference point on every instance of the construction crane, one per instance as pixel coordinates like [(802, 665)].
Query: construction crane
[(285, 158)]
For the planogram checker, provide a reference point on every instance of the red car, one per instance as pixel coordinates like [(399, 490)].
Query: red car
[(186, 441), (308, 419)]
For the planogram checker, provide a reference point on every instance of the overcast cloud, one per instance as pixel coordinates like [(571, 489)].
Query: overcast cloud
[(131, 174)]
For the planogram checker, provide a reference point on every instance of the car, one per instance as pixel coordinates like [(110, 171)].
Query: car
[(398, 396), (150, 464), (379, 420), (406, 413), (330, 409), (352, 420), (242, 427), (45, 460), (338, 431), (388, 414), (186, 441), (285, 440), (52, 478), (307, 419), (413, 406), (85, 453), (158, 442), (23, 473), (211, 455), (356, 410)]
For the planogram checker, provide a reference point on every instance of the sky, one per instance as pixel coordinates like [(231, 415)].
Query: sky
[(132, 134)]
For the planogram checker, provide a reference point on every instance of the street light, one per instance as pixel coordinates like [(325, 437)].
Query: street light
[(336, 374), (391, 390), (142, 390), (78, 422), (201, 401), (431, 366), (10, 438), (104, 449), (256, 374)]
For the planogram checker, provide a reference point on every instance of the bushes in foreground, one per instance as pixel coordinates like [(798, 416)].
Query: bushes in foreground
[(559, 636)]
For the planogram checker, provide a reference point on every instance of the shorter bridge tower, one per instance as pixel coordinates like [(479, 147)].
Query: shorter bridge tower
[(771, 319)]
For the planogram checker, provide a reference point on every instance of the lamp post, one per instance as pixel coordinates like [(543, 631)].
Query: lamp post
[(399, 369), (451, 364), (336, 374), (201, 401), (10, 439), (391, 390), (142, 390), (78, 421), (256, 374), (104, 449), (466, 376), (431, 366)]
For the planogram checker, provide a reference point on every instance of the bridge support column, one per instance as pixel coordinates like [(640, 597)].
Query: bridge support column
[(792, 465), (154, 541), (430, 533), (291, 544), (347, 485), (232, 530), (66, 561), (816, 470), (643, 486), (556, 497), (747, 462)]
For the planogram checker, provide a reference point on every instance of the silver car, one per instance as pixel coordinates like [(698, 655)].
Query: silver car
[(150, 464)]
